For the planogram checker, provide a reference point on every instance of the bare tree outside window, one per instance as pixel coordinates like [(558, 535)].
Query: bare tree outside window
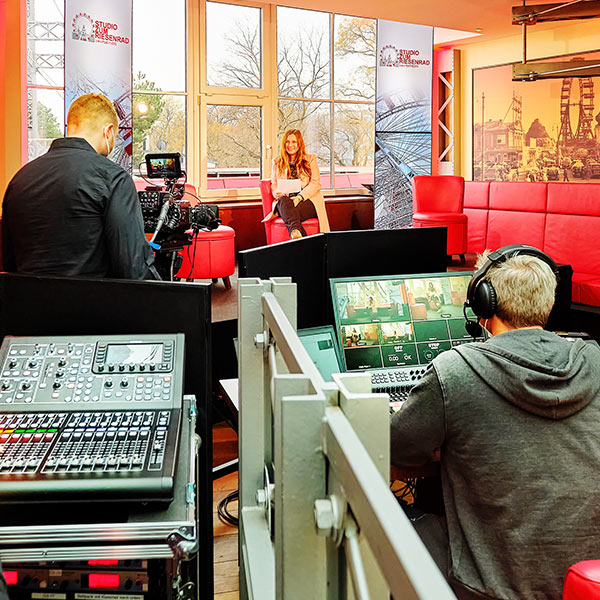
[(308, 94)]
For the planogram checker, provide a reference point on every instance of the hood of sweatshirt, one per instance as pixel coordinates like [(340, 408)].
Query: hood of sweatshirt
[(537, 370)]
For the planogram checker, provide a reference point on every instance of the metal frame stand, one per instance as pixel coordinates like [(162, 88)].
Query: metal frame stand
[(317, 518)]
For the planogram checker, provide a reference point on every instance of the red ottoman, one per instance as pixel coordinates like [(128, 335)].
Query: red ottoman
[(583, 581), (210, 255)]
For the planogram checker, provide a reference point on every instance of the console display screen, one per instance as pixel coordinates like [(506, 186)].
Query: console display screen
[(139, 354), (396, 321)]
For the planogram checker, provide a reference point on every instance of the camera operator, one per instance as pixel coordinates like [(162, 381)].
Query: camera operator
[(73, 212)]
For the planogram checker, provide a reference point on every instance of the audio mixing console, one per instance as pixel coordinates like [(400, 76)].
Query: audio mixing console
[(85, 418)]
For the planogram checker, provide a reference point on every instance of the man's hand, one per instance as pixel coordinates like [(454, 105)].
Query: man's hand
[(277, 195)]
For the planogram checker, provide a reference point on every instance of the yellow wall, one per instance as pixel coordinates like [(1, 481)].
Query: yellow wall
[(13, 111), (558, 40)]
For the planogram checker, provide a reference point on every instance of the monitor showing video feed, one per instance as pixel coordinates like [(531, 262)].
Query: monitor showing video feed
[(399, 321), (163, 166)]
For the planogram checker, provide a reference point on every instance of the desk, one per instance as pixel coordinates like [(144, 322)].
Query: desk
[(229, 392)]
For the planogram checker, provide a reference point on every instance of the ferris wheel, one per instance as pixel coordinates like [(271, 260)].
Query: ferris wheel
[(585, 107)]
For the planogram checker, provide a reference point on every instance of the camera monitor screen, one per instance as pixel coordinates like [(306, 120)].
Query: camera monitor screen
[(163, 166), (397, 321)]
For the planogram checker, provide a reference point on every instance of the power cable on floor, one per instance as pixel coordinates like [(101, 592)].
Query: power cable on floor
[(223, 509)]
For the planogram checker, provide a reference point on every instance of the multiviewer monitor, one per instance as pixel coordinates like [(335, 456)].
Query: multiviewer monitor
[(397, 321)]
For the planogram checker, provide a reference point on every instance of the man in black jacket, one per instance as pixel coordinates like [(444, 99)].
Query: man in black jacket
[(73, 212)]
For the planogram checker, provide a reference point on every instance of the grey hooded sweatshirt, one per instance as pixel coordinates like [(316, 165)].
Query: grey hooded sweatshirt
[(517, 419)]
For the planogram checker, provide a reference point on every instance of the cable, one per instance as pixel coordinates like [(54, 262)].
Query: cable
[(222, 509), (151, 183), (193, 260)]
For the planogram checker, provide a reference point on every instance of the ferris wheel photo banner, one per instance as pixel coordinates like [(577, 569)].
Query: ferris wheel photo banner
[(98, 60), (544, 130), (402, 118)]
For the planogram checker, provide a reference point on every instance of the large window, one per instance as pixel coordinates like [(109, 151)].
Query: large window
[(326, 77), (320, 80), (255, 70), (159, 76), (45, 74)]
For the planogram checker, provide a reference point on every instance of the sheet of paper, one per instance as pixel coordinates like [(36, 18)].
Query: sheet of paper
[(289, 186)]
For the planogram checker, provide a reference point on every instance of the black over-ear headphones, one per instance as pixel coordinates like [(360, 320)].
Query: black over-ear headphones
[(481, 295)]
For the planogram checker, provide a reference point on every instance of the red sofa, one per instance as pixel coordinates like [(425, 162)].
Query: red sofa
[(562, 219)]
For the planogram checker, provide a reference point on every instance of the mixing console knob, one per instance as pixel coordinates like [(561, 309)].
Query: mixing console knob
[(132, 367), (62, 362), (121, 367), (56, 385), (32, 364), (100, 368), (152, 367), (12, 364), (60, 373), (142, 367), (111, 367), (108, 383), (5, 386), (124, 383), (25, 385)]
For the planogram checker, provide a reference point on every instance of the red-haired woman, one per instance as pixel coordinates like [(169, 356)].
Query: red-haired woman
[(294, 162)]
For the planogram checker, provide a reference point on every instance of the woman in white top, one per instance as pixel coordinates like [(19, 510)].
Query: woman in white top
[(294, 162)]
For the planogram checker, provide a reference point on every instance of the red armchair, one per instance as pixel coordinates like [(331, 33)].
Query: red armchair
[(275, 229), (438, 202), (583, 581)]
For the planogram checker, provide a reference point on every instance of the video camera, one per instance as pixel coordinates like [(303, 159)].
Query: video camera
[(166, 214)]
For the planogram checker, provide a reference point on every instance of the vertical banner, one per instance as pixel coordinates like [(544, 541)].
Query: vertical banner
[(402, 118), (98, 59)]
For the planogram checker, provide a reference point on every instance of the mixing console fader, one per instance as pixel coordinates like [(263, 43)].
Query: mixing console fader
[(94, 419)]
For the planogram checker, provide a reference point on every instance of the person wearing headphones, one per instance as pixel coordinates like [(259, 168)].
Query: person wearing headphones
[(74, 212), (515, 421)]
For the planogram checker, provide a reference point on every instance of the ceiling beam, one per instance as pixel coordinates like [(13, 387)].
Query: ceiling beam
[(555, 70), (562, 11)]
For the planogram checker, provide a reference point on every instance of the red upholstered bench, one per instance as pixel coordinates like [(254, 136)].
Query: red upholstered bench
[(562, 219)]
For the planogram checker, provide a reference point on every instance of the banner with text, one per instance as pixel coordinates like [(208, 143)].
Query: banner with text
[(402, 118), (98, 60)]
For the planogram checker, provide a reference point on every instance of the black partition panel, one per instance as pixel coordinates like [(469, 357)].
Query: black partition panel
[(304, 261), (36, 306), (313, 260)]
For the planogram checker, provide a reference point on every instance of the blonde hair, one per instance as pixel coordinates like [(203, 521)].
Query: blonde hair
[(302, 162), (525, 288), (92, 111)]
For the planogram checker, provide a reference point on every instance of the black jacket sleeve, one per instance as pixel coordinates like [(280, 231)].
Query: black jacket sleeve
[(419, 427), (130, 254)]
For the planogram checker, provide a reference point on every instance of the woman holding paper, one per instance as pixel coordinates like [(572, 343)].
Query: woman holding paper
[(296, 185)]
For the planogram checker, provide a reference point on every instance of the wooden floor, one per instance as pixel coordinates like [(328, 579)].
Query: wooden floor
[(225, 536)]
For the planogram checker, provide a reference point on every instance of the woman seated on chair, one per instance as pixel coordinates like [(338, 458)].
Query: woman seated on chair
[(293, 162)]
